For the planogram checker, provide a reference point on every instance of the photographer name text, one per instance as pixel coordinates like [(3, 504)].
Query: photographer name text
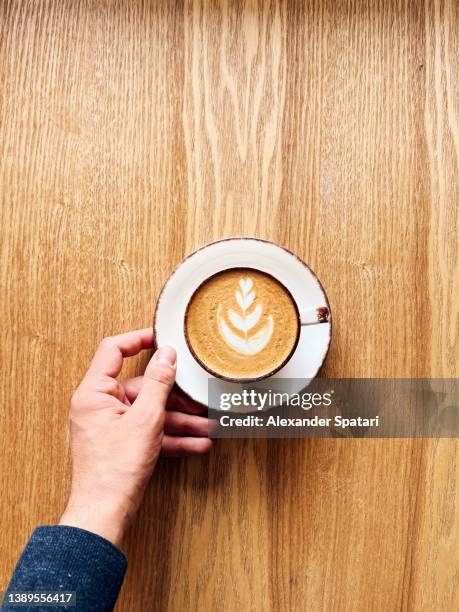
[(337, 421)]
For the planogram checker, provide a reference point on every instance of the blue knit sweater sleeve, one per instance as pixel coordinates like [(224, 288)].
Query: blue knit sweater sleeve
[(60, 558)]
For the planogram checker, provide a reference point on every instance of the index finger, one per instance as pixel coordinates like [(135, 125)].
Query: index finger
[(108, 359), (178, 400)]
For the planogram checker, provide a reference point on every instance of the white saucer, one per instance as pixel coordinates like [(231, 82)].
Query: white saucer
[(168, 322)]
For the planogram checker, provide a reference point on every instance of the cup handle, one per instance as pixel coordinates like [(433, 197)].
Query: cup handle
[(315, 315)]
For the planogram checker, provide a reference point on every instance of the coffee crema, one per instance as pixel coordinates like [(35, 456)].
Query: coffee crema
[(242, 324)]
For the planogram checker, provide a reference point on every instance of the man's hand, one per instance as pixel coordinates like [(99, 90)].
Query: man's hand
[(117, 431)]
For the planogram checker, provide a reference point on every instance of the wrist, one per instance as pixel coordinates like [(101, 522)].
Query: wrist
[(109, 518)]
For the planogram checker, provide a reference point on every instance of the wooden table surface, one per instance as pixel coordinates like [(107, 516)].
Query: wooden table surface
[(133, 132)]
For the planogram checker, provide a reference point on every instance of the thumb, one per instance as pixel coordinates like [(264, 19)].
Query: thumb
[(158, 380)]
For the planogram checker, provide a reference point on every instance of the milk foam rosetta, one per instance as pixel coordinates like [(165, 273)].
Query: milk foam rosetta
[(241, 323), (244, 321)]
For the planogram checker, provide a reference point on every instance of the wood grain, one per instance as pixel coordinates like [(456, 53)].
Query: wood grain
[(133, 132)]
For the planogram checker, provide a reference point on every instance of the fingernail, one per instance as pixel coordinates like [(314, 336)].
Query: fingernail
[(166, 355)]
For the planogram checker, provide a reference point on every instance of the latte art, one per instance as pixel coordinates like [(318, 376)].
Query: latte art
[(245, 321), (241, 324)]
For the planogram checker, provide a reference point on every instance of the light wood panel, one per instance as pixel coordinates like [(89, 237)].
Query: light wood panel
[(133, 132)]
